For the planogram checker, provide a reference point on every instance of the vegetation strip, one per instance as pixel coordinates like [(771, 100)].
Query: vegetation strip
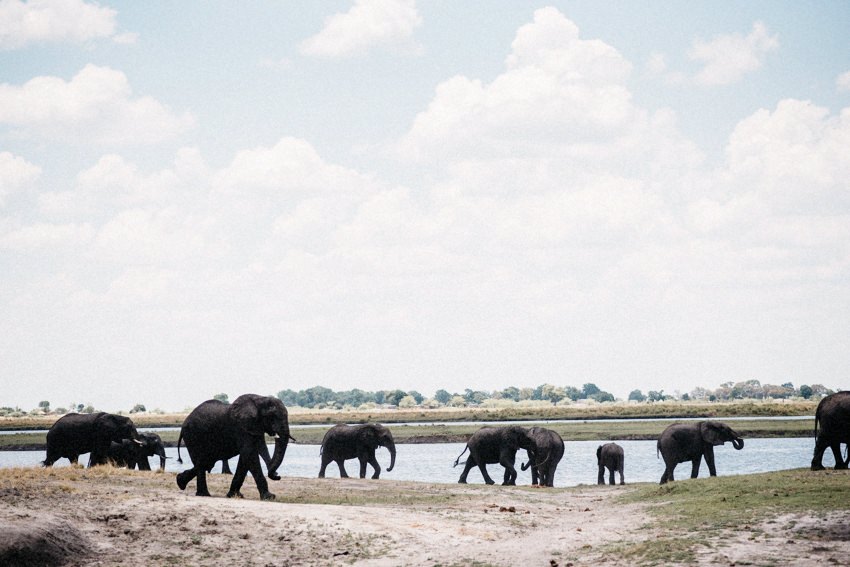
[(459, 432)]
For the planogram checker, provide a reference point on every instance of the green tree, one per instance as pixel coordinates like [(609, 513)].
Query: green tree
[(442, 396), (573, 393), (636, 396), (655, 396), (417, 397), (588, 390), (806, 391), (44, 406), (138, 408), (222, 398), (511, 393)]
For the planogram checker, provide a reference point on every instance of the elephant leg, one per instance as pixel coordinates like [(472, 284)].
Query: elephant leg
[(820, 446), (341, 464), (363, 458), (601, 477), (374, 462), (201, 488), (466, 468), (510, 471), (839, 458), (225, 467), (668, 473), (257, 472), (185, 477), (325, 462), (709, 460), (611, 476), (550, 475), (238, 478), (620, 469), (483, 468), (695, 462)]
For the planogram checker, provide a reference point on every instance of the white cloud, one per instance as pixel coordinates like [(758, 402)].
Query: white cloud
[(47, 237), (728, 58), (41, 21), (15, 173), (368, 24), (557, 91), (96, 105), (843, 82)]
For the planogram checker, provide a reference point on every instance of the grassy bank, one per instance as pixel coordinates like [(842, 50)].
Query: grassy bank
[(519, 412), (460, 432), (705, 516)]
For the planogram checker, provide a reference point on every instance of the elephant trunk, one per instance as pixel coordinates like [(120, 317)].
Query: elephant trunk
[(738, 443), (391, 446), (280, 444), (524, 466)]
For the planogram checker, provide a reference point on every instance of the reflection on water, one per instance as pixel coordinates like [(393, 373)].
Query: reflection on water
[(433, 462)]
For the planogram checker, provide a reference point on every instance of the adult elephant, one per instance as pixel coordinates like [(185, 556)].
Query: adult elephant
[(612, 457), (691, 442), (342, 442), (131, 454), (490, 445), (215, 431), (833, 417), (550, 451), (75, 433)]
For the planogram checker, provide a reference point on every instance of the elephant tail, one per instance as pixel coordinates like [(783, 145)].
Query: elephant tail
[(457, 461), (658, 449), (179, 441)]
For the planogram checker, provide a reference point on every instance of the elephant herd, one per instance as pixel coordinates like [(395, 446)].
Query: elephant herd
[(215, 431)]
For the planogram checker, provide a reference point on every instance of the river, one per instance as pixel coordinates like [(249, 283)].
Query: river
[(432, 462)]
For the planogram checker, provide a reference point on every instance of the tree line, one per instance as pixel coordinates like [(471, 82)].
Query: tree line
[(320, 397)]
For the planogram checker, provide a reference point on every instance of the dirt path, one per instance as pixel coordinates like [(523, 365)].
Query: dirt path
[(133, 517)]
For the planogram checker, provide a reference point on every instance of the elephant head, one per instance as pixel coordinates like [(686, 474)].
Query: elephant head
[(376, 435), (257, 416), (716, 433), (152, 445)]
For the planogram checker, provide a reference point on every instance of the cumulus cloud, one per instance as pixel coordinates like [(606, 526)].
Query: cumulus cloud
[(96, 105), (15, 173), (368, 24), (727, 58), (42, 21)]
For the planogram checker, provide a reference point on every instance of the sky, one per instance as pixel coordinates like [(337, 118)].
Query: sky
[(230, 197)]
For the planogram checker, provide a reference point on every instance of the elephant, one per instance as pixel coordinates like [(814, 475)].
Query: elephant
[(833, 416), (550, 451), (214, 431), (75, 433), (610, 456), (491, 445), (691, 442), (342, 442), (131, 455)]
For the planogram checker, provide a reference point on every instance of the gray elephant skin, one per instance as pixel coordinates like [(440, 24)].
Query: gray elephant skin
[(612, 457), (130, 454), (832, 428), (342, 442), (550, 451), (216, 431), (75, 434), (491, 445), (691, 442)]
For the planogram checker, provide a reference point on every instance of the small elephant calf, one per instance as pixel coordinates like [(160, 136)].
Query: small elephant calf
[(610, 456)]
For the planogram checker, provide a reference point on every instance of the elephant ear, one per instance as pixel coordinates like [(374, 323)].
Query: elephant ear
[(246, 415), (368, 435), (710, 433)]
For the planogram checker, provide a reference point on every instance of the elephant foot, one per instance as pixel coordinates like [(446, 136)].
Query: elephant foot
[(234, 494), (490, 481), (818, 467), (374, 476), (462, 481), (274, 476), (182, 480), (841, 466), (267, 496), (205, 494)]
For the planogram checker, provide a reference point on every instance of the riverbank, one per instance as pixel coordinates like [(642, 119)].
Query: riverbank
[(459, 432), (518, 412), (110, 516)]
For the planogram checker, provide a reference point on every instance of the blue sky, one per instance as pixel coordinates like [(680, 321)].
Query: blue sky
[(227, 197)]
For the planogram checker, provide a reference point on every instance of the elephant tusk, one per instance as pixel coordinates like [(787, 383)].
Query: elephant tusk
[(138, 442)]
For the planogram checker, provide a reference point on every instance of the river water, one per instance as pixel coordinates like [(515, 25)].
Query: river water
[(432, 462)]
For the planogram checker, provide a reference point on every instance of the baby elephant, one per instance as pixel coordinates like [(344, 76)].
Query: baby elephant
[(610, 456)]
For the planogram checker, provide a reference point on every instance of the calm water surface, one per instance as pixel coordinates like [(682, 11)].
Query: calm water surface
[(433, 462)]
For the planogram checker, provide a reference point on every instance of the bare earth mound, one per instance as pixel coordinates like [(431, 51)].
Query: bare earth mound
[(28, 540)]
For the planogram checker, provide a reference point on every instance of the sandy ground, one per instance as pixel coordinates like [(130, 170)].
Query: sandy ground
[(112, 517)]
